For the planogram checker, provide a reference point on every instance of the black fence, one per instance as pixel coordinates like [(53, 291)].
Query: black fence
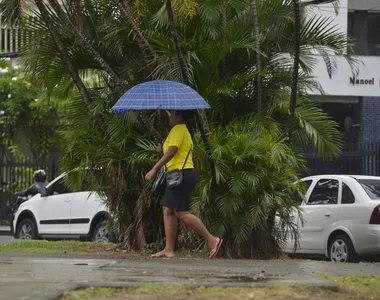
[(355, 159), (17, 175)]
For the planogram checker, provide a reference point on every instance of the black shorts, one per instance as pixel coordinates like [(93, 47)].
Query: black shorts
[(179, 198)]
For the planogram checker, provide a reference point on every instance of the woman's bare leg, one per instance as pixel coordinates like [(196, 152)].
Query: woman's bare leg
[(197, 225), (170, 222)]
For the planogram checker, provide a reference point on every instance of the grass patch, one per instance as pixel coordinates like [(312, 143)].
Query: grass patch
[(366, 284), (159, 292), (59, 247)]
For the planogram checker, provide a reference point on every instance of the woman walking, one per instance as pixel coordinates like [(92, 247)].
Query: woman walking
[(177, 151)]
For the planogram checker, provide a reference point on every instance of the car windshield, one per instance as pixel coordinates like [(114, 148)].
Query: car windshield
[(372, 187)]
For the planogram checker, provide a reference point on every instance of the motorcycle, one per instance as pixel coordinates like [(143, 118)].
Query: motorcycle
[(16, 205)]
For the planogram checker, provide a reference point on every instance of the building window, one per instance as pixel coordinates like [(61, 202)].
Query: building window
[(351, 25), (373, 34), (363, 28)]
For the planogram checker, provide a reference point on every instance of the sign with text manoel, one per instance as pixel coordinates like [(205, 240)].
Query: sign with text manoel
[(362, 81)]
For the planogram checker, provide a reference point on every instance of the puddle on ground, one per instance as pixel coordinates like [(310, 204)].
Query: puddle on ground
[(231, 279)]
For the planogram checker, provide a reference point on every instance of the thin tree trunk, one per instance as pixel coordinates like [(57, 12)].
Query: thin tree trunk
[(223, 11), (143, 43), (87, 45), (256, 38), (177, 46), (199, 118), (297, 46), (66, 57), (294, 92), (101, 61)]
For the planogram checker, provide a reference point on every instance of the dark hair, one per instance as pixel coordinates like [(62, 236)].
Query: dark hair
[(185, 114)]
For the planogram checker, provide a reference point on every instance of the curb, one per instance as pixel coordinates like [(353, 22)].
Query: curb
[(5, 233), (5, 230)]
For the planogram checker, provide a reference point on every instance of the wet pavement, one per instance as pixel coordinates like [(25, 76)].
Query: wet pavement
[(6, 239), (28, 276)]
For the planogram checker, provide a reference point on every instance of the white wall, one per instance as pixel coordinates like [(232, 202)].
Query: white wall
[(367, 69), (340, 83)]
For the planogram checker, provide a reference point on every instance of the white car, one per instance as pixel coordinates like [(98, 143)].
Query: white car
[(59, 213), (341, 215)]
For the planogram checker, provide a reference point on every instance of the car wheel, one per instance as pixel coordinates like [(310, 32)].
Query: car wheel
[(341, 250), (27, 230), (102, 233)]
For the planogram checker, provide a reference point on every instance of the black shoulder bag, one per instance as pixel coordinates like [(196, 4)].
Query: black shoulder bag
[(171, 179), (175, 178), (159, 184)]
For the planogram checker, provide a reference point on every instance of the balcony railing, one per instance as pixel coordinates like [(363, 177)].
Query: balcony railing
[(11, 39)]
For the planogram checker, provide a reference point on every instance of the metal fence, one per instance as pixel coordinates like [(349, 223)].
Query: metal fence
[(16, 175), (355, 159)]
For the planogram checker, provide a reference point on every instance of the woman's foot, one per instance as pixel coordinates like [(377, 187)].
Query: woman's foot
[(163, 254), (214, 246)]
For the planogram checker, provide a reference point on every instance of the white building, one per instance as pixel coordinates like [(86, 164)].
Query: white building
[(352, 96)]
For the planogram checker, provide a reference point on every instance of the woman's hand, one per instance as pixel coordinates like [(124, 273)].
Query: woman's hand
[(172, 150), (150, 174), (159, 147)]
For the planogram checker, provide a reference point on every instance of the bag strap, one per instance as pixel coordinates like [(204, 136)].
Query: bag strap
[(187, 157)]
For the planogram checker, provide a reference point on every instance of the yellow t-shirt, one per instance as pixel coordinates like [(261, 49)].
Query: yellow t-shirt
[(179, 137)]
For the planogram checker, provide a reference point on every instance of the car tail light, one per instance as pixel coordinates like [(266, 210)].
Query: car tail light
[(375, 217)]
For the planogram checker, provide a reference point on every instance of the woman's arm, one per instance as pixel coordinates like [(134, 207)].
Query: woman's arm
[(168, 156)]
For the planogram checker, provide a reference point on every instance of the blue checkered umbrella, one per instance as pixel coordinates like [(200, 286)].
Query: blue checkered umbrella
[(160, 94)]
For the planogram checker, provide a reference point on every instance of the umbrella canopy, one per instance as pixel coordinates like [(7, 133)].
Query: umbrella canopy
[(160, 94)]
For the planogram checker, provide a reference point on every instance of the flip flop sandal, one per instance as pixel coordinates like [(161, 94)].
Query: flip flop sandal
[(215, 251)]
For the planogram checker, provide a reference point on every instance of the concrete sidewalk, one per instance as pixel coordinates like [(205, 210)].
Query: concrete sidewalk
[(26, 276)]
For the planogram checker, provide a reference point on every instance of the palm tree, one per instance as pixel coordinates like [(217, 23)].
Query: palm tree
[(65, 56), (256, 37), (211, 49), (297, 53), (147, 50), (200, 121)]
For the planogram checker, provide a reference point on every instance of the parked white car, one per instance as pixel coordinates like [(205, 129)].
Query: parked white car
[(341, 216), (59, 213)]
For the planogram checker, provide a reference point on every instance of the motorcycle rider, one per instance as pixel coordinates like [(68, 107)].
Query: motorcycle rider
[(35, 188)]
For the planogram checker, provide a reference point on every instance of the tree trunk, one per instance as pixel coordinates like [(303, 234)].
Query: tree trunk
[(66, 57), (177, 46), (101, 61), (293, 96), (200, 121), (143, 43), (223, 12), (297, 46), (87, 45), (256, 38)]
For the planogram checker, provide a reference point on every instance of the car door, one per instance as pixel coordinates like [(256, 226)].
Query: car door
[(320, 213), (54, 210), (84, 207)]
